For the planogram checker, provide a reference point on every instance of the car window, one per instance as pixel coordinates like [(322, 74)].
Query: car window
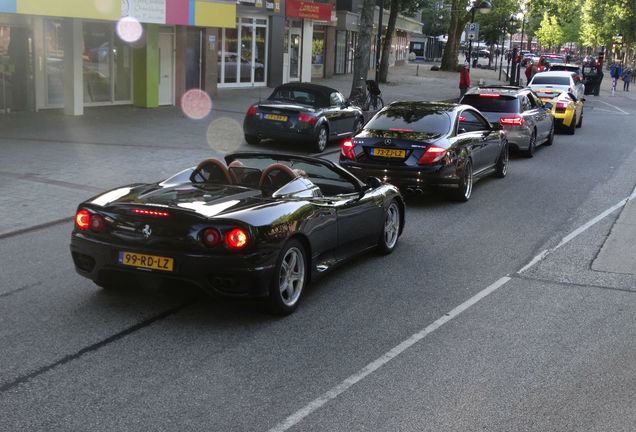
[(524, 104), (497, 103), (330, 182), (469, 121), (405, 119), (290, 94), (336, 99), (534, 101), (555, 80)]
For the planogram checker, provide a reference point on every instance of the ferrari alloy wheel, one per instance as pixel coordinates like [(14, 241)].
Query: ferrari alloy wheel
[(391, 229), (550, 140), (289, 278), (465, 188), (532, 146), (321, 139), (501, 169)]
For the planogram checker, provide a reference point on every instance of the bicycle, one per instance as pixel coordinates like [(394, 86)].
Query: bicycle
[(373, 100)]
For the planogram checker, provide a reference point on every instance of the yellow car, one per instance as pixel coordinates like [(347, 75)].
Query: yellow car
[(567, 109)]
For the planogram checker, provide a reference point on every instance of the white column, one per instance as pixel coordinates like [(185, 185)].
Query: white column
[(307, 44), (73, 76)]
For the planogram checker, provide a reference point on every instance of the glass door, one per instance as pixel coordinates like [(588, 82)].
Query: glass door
[(242, 59), (247, 49), (294, 54)]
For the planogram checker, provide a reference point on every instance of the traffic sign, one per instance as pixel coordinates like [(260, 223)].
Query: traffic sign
[(472, 31)]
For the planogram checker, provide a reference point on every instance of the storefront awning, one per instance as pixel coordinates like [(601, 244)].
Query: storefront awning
[(204, 13)]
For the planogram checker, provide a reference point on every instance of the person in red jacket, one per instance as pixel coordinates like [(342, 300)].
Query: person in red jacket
[(464, 80), (529, 72)]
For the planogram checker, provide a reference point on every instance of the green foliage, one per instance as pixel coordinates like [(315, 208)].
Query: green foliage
[(436, 22), (550, 33), (492, 25)]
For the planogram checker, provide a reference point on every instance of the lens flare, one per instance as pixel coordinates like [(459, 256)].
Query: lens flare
[(224, 135), (129, 29), (196, 104)]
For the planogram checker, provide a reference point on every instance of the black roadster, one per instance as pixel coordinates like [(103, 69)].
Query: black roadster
[(261, 226)]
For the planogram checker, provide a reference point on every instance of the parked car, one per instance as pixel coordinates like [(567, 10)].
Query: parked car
[(567, 108), (527, 122), (264, 227), (419, 144), (560, 80), (547, 59), (302, 112)]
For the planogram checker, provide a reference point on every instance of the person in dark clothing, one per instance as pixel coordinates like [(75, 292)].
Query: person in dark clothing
[(464, 80), (627, 77)]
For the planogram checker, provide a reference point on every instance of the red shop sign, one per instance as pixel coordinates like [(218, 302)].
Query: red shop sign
[(303, 9)]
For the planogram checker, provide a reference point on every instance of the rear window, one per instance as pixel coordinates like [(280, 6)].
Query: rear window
[(555, 80), (433, 123), (554, 59), (301, 96), (492, 104)]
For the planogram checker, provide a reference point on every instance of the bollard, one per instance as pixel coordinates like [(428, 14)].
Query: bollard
[(417, 70)]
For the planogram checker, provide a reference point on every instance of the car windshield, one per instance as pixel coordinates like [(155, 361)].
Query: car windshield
[(554, 59), (411, 117), (555, 80), (565, 68), (291, 94), (492, 104)]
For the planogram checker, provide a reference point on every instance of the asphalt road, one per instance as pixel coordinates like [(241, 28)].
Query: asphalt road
[(407, 342)]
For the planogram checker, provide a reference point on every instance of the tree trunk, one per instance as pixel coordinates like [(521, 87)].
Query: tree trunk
[(388, 40), (451, 50), (363, 49)]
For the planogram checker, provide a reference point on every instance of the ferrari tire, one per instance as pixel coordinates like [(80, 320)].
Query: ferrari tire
[(390, 228), (290, 276), (252, 139), (532, 146), (465, 187), (580, 122), (550, 139), (320, 143), (501, 168)]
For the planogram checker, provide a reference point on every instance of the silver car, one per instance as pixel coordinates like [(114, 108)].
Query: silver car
[(526, 120), (568, 81)]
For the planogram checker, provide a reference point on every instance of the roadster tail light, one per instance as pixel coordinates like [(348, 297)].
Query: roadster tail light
[(562, 105), (211, 237), (432, 155), (514, 121), (251, 111), (236, 239), (347, 150), (82, 219), (96, 223), (307, 118)]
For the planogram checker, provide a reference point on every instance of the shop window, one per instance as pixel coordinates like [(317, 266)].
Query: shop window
[(317, 52)]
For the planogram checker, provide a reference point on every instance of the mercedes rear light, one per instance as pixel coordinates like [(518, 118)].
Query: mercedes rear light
[(82, 219), (306, 118), (431, 155), (251, 111), (347, 150), (236, 238), (511, 121)]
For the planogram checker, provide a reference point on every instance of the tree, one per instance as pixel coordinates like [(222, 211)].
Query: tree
[(458, 20), (492, 25), (436, 21), (550, 32), (363, 50)]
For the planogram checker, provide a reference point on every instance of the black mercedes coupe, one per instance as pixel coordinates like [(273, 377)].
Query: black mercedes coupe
[(303, 112), (416, 145), (261, 226)]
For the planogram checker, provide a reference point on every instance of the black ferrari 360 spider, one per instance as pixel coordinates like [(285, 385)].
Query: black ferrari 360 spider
[(261, 226)]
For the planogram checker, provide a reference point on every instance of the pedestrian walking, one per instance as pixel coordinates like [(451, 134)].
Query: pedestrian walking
[(615, 72), (627, 78), (464, 80), (529, 71)]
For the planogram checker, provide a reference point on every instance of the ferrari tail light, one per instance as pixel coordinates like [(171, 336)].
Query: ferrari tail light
[(306, 118), (211, 237), (82, 219), (251, 111), (347, 150), (513, 121), (432, 154), (561, 105), (236, 239), (96, 223)]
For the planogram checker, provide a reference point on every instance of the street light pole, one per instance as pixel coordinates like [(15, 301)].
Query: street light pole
[(523, 27)]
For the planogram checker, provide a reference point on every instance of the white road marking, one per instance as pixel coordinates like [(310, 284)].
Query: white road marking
[(343, 386), (615, 107), (334, 392)]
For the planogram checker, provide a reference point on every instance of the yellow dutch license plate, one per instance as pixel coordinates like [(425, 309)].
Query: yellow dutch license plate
[(391, 153), (276, 117), (146, 261)]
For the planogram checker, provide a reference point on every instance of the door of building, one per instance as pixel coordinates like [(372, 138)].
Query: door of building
[(294, 53), (244, 63), (166, 69)]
